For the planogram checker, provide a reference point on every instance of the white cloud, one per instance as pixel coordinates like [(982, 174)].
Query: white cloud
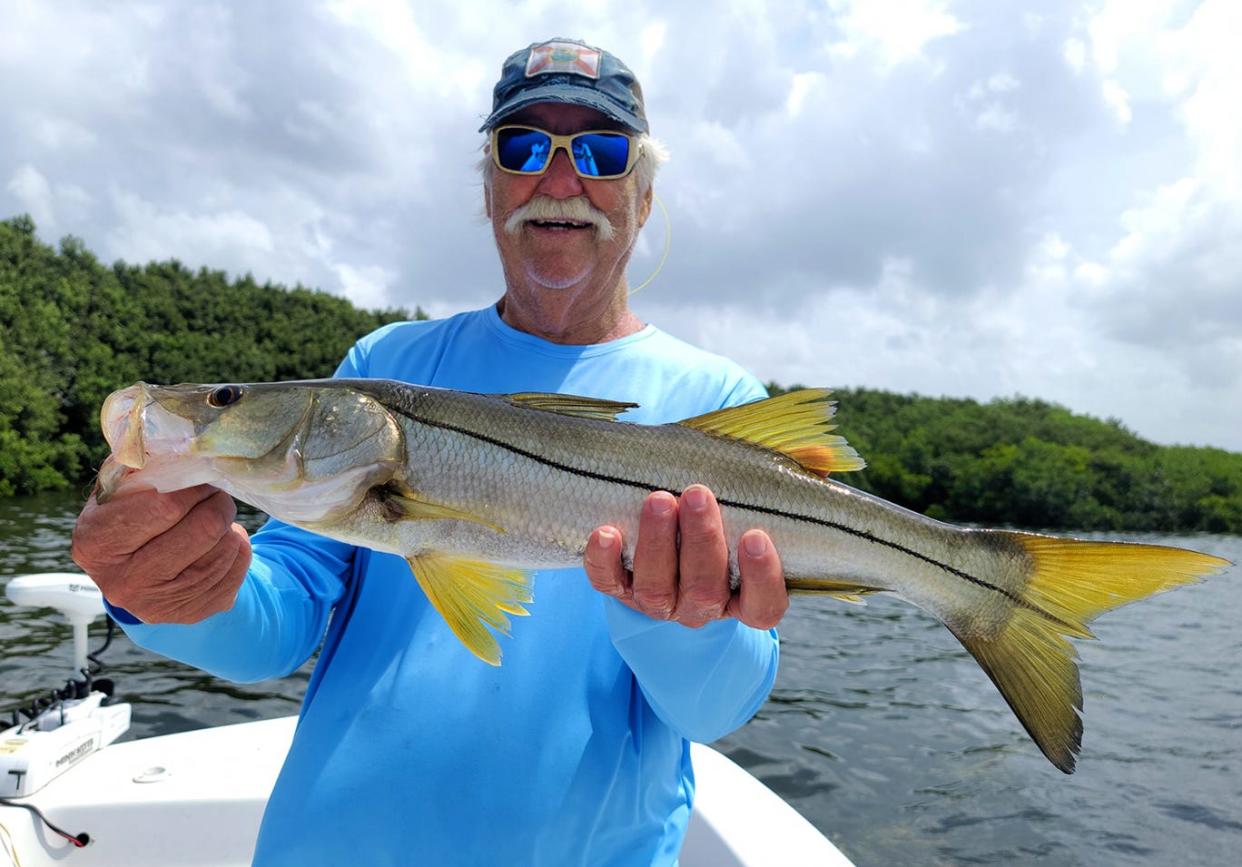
[(147, 232), (652, 40), (49, 205), (1075, 53), (995, 117), (1000, 82), (61, 133), (893, 31), (366, 285), (800, 85), (1118, 100), (34, 193), (1204, 71)]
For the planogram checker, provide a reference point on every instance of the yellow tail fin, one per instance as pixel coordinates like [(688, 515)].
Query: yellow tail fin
[(1070, 582)]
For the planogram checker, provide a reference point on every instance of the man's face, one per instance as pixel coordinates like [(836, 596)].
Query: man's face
[(558, 256)]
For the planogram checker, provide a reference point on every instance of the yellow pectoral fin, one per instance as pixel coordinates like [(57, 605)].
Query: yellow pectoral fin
[(408, 506), (796, 424), (472, 595)]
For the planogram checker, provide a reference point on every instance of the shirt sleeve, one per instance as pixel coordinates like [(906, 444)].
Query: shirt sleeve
[(704, 683), (282, 606), (278, 619)]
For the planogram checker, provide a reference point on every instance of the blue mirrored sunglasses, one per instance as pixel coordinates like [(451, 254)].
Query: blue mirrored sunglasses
[(596, 154)]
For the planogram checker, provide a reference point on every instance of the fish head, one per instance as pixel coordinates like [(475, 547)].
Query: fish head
[(300, 451)]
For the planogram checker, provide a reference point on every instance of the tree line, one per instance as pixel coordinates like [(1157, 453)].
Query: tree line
[(72, 330), (1029, 463)]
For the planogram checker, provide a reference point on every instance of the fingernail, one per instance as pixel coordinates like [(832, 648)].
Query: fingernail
[(661, 506), (606, 539), (695, 498), (756, 545)]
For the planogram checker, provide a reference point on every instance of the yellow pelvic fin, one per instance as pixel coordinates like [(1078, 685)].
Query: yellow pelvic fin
[(472, 595), (571, 405), (1070, 582), (409, 506), (796, 424)]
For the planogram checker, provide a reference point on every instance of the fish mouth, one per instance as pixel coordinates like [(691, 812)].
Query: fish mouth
[(135, 425), (121, 421)]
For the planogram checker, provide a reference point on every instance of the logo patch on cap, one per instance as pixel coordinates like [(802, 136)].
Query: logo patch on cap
[(563, 57)]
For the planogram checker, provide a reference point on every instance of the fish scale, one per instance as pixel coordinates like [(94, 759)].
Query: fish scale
[(475, 491)]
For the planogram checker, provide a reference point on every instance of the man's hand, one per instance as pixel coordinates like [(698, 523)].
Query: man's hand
[(165, 558), (689, 584)]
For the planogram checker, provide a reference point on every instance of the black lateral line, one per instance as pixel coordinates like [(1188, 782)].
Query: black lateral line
[(767, 510)]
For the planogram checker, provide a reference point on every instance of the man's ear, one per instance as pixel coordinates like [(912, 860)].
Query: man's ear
[(487, 181), (644, 209)]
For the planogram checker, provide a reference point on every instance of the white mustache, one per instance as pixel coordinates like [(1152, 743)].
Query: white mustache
[(577, 209)]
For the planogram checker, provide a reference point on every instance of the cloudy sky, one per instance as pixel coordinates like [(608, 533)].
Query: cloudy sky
[(966, 198)]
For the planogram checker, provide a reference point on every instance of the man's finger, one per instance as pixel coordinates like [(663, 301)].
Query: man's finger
[(762, 599), (655, 557), (703, 583), (187, 542), (603, 565), (220, 593), (209, 568), (130, 521)]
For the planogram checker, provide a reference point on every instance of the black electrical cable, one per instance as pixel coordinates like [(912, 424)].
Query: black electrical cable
[(94, 657), (72, 689), (78, 840)]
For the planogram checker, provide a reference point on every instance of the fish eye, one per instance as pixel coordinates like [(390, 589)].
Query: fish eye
[(224, 395)]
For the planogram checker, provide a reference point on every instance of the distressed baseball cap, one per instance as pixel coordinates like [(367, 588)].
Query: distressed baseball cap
[(568, 70)]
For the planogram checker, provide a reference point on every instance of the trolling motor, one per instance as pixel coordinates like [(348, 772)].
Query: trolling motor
[(65, 726)]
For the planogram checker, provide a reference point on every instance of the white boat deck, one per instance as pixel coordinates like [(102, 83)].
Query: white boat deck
[(196, 799)]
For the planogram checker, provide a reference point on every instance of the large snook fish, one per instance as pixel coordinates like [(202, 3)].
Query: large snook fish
[(477, 490)]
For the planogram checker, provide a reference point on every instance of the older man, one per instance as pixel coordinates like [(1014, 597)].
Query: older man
[(408, 749)]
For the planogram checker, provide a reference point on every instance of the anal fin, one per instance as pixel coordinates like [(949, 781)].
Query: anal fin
[(845, 591), (472, 595)]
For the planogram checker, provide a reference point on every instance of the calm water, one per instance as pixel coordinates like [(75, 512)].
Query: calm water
[(881, 730)]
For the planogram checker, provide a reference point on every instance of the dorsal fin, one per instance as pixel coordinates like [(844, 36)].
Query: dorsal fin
[(796, 424), (571, 404)]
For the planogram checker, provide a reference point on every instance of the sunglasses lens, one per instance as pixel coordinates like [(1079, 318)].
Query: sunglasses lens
[(522, 150), (596, 154), (601, 154)]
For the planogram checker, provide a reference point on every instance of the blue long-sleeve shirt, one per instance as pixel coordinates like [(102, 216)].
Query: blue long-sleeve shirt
[(409, 750)]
